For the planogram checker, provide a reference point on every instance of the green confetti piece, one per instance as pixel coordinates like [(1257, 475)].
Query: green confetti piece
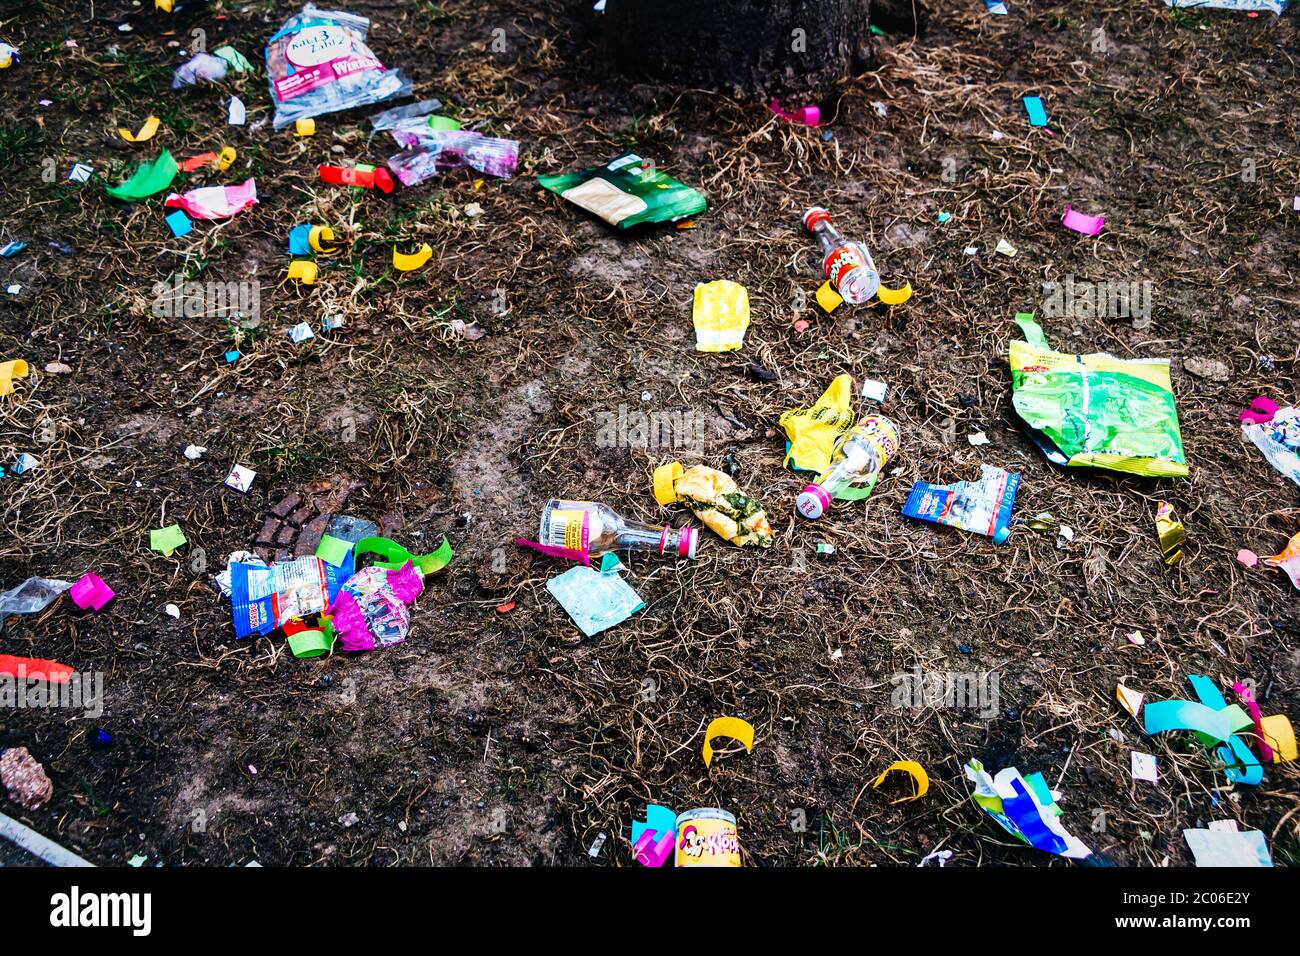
[(166, 540), (149, 178)]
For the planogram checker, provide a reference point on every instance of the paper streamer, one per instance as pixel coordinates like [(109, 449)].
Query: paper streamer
[(918, 774), (148, 179), (807, 115), (894, 296), (828, 298), (732, 727), (1211, 720), (1252, 707), (310, 643), (146, 133), (658, 821), (409, 263), (318, 236), (9, 371), (394, 556), (1088, 225), (551, 551), (1280, 735), (34, 668)]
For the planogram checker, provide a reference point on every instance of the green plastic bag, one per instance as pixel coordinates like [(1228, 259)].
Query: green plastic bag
[(1096, 410), (627, 192)]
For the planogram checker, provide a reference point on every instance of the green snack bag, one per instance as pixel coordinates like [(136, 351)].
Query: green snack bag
[(1096, 410), (627, 192)]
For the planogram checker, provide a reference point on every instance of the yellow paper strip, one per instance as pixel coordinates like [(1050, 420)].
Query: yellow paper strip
[(1280, 737), (1130, 700), (317, 238), (828, 298), (10, 371), (146, 133), (416, 259), (894, 296), (732, 727), (303, 270), (918, 774)]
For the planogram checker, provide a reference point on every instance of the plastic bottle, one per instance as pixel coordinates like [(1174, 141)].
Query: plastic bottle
[(847, 265), (591, 527), (859, 457)]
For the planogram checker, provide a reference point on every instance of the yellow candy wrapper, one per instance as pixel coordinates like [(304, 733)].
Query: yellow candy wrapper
[(811, 433), (716, 500), (1171, 532), (721, 316)]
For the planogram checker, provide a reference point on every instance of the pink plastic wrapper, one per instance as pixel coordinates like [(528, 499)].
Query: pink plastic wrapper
[(215, 202), (372, 608), (449, 148)]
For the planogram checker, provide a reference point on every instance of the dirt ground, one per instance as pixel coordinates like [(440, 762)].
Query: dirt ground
[(504, 737)]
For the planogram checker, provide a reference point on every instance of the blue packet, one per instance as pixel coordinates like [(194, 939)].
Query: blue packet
[(262, 598), (596, 600), (982, 506)]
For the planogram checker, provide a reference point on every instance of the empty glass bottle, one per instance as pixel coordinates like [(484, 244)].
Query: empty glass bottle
[(592, 527)]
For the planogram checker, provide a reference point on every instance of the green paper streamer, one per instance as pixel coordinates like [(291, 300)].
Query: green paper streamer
[(306, 644), (148, 179), (394, 555)]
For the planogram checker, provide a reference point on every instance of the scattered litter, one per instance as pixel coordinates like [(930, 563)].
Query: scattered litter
[(318, 62), (1288, 559), (627, 191), (304, 127), (575, 529), (806, 115), (194, 452), (1143, 766), (14, 368), (1221, 846), (1170, 532), (715, 499), (408, 263), (1005, 248), (1214, 721), (977, 438), (202, 67), (80, 173), (654, 839), (847, 266), (236, 112), (707, 837), (996, 8), (1247, 558), (215, 202), (859, 458), (595, 600), (1277, 435), (1136, 638), (304, 271), (1096, 410), (25, 463), (361, 176), (983, 506), (179, 223), (372, 609), (90, 592), (429, 149), (1130, 700), (166, 540), (11, 249), (302, 331), (1078, 222), (146, 133), (1036, 111), (733, 727), (812, 433), (31, 597), (721, 316), (1242, 6), (874, 390), (920, 780), (172, 611), (240, 478), (1026, 808), (597, 845), (147, 180)]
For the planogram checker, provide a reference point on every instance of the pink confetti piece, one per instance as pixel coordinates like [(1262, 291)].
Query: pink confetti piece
[(1088, 225), (1260, 411), (215, 202), (807, 115), (1247, 558)]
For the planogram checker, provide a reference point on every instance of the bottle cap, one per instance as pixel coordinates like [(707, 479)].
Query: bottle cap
[(812, 502), (813, 216), (690, 538)]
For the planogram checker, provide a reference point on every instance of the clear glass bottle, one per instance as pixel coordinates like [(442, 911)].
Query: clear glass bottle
[(859, 457), (592, 527), (847, 265)]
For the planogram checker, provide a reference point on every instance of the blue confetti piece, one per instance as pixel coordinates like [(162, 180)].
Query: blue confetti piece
[(1034, 107), (180, 223)]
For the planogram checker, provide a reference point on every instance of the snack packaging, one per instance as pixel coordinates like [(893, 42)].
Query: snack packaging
[(628, 191), (811, 433), (716, 500), (982, 506), (1096, 410), (319, 63), (371, 609), (1277, 436), (264, 598)]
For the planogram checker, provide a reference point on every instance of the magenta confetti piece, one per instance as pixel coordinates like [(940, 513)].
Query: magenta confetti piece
[(1088, 225), (1248, 698), (569, 554), (807, 115)]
